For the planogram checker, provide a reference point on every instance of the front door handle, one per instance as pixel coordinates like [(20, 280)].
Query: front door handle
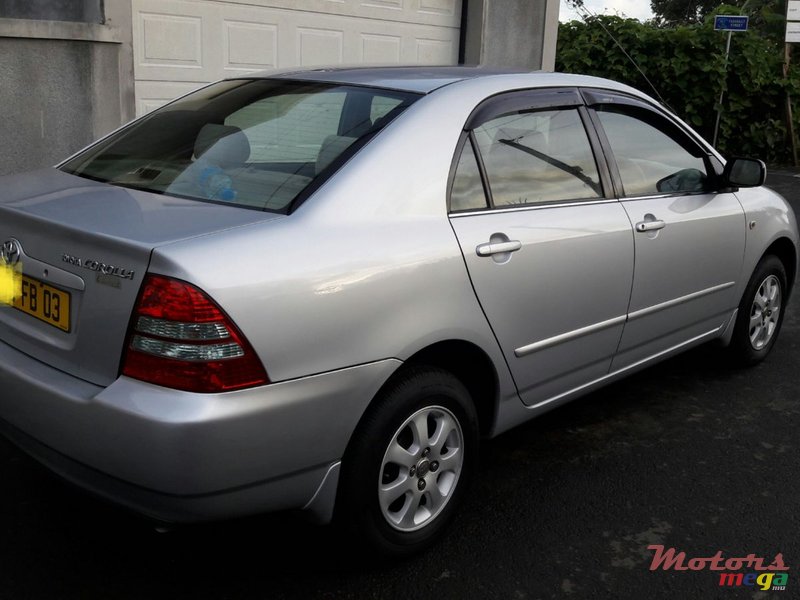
[(645, 226), (498, 248)]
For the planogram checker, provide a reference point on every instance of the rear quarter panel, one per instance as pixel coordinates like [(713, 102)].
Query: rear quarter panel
[(367, 269)]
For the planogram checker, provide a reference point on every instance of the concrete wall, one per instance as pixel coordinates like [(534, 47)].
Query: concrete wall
[(64, 83), (512, 33)]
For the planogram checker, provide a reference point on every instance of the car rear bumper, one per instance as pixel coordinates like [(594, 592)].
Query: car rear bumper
[(185, 457)]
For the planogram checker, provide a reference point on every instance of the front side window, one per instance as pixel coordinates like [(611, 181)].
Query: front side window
[(252, 143), (652, 156), (538, 157)]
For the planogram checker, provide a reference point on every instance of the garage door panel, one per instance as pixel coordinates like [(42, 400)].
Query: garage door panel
[(445, 13), (249, 45), (434, 52), (150, 95), (171, 40), (319, 46), (178, 43), (380, 48), (390, 4), (446, 8)]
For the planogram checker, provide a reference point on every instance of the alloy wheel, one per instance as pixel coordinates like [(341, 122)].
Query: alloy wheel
[(421, 468), (765, 312)]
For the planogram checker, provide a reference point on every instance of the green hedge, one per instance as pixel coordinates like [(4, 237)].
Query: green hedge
[(687, 66)]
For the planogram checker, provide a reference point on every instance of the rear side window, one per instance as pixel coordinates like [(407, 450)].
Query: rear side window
[(251, 143), (467, 192), (538, 157)]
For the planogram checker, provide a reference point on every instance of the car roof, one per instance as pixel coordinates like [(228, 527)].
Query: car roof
[(420, 79)]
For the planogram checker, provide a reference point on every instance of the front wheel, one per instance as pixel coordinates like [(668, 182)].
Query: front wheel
[(409, 462), (760, 313)]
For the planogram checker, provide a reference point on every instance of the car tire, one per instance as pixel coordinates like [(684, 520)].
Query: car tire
[(760, 315), (408, 464)]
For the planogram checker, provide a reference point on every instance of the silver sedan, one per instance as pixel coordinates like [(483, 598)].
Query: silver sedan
[(317, 290)]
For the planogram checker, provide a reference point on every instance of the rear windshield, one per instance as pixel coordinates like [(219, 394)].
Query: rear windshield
[(253, 143)]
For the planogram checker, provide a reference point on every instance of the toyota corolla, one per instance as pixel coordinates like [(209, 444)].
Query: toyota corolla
[(317, 290)]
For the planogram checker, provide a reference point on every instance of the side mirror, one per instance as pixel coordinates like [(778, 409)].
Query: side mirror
[(744, 173)]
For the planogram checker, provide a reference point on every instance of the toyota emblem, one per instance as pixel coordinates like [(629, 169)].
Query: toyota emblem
[(10, 252)]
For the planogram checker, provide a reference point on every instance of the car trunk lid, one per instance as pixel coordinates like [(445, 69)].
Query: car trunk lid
[(83, 248)]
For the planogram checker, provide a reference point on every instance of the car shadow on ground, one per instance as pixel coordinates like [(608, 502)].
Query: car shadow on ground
[(525, 465)]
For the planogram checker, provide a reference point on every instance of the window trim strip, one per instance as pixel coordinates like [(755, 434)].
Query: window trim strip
[(528, 207)]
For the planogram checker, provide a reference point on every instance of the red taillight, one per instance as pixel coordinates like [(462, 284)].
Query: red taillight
[(179, 338)]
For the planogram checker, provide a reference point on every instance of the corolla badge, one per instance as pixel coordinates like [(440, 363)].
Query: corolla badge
[(98, 266), (10, 252)]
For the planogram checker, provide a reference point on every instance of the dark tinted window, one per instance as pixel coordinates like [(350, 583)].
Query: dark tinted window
[(537, 157), (653, 157), (254, 143), (87, 11)]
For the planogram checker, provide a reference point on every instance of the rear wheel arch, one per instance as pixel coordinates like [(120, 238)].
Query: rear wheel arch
[(452, 377), (470, 365), (464, 360), (414, 500)]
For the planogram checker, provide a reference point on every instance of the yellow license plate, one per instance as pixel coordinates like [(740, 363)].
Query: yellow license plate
[(44, 302)]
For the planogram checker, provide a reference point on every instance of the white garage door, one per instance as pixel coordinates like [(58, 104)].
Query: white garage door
[(182, 44)]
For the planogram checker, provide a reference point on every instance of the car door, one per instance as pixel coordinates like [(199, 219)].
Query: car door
[(689, 234), (548, 247)]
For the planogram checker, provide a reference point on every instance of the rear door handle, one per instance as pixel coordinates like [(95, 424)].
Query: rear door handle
[(498, 248), (644, 226)]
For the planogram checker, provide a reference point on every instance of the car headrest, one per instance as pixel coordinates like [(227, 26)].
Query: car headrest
[(332, 147), (388, 117), (222, 144)]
